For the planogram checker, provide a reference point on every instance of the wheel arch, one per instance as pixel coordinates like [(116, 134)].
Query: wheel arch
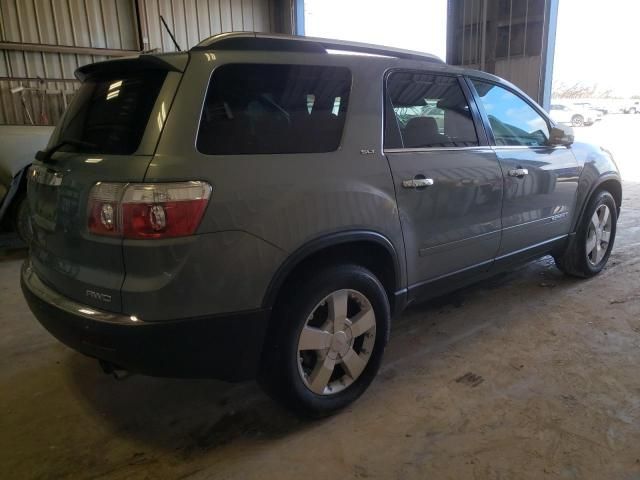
[(613, 186), (610, 183), (369, 249)]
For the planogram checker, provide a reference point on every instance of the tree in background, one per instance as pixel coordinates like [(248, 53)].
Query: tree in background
[(580, 90)]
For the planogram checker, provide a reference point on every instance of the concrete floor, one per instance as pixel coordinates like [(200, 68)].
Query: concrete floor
[(530, 375)]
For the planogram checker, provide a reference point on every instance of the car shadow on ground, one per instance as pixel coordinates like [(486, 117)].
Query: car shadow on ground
[(193, 417), (184, 416)]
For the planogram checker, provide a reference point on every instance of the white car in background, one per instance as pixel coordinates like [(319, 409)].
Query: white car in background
[(599, 107), (574, 115), (633, 107)]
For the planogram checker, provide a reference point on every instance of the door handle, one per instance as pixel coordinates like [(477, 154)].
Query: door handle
[(417, 183), (518, 172)]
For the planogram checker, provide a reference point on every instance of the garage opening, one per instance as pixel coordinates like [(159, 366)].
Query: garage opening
[(410, 24)]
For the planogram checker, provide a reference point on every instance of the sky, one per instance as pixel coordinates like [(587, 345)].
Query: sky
[(373, 21), (597, 42)]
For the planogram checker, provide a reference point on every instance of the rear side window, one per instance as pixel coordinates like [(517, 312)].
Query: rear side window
[(264, 108), (430, 111), (513, 121), (111, 113)]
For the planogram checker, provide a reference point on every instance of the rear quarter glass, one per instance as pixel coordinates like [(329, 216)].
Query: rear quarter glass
[(274, 108)]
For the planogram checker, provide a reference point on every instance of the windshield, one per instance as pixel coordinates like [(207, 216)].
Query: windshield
[(110, 114)]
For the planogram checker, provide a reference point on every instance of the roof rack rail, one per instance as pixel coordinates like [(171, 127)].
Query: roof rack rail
[(278, 42)]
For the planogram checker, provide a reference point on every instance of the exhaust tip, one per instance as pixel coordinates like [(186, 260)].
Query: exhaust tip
[(117, 371)]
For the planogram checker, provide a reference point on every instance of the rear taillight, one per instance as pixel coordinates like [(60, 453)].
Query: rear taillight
[(147, 210)]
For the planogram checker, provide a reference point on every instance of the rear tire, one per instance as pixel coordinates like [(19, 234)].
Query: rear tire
[(309, 364), (589, 250)]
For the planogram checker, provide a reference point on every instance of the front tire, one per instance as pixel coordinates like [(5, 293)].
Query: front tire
[(588, 252), (577, 121), (329, 341)]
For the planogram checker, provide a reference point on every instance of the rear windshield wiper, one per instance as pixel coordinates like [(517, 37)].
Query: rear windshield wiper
[(45, 155)]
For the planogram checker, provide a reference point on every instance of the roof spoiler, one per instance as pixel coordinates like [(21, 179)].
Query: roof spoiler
[(134, 63)]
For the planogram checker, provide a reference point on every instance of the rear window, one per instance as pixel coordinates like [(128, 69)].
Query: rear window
[(111, 113), (264, 108)]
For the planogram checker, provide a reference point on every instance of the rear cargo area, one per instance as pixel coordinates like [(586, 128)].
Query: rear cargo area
[(108, 134)]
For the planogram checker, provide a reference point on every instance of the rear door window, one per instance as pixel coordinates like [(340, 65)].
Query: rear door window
[(265, 108), (111, 113), (429, 110)]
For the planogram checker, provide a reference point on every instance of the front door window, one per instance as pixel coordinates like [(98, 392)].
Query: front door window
[(513, 121)]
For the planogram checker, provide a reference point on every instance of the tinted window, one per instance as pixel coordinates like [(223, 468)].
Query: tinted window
[(253, 109), (111, 113), (513, 121), (429, 110)]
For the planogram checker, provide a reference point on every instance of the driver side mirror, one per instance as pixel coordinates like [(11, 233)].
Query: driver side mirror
[(561, 135)]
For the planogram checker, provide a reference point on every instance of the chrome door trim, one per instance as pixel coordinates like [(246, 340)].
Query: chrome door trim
[(527, 147), (482, 148)]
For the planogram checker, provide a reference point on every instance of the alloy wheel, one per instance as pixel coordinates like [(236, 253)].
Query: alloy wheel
[(598, 235), (336, 342)]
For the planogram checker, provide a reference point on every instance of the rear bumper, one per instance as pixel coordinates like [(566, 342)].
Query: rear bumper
[(226, 347)]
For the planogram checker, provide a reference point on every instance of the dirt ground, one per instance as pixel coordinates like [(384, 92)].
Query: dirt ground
[(529, 375)]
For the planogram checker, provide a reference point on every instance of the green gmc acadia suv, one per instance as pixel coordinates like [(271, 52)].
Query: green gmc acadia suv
[(262, 206)]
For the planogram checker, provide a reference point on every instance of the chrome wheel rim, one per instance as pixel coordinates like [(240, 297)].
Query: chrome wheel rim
[(598, 235), (336, 342)]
